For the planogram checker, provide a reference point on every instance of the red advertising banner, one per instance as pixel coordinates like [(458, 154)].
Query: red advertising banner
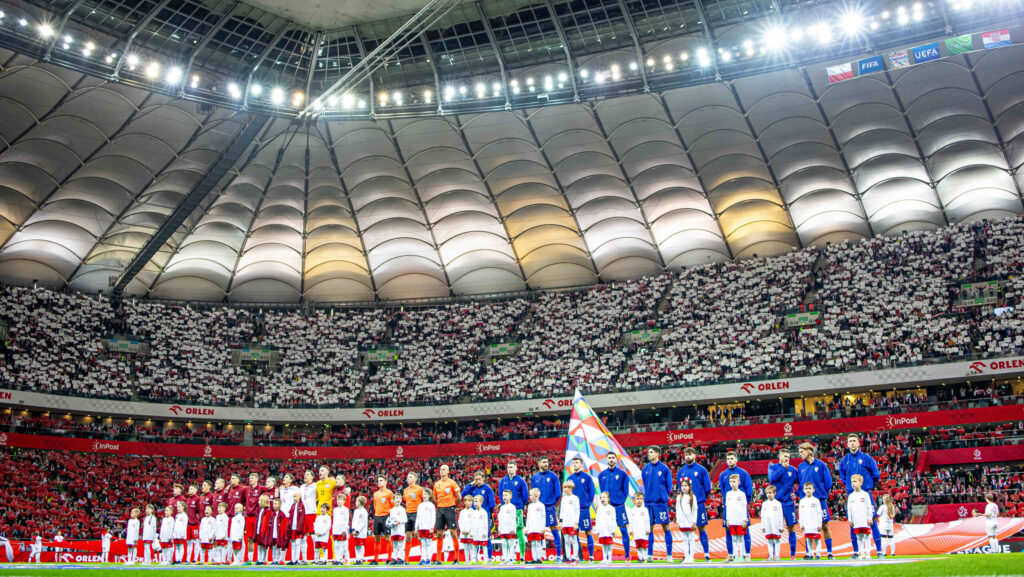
[(677, 438), (951, 512), (1002, 453)]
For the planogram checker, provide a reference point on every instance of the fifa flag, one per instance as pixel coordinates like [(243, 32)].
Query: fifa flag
[(996, 38), (839, 72), (899, 59), (869, 65), (959, 45), (591, 441)]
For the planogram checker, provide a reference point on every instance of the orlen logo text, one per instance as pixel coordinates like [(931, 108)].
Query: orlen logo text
[(371, 413), (101, 446), (977, 367), (297, 453), (551, 403), (892, 421), (761, 387), (676, 437), (178, 409), (482, 448), (5, 396), (1004, 365)]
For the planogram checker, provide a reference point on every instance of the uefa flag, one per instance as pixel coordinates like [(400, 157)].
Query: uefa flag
[(839, 72), (591, 441), (996, 38)]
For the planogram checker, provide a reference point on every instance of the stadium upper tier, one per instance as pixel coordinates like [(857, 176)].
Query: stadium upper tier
[(121, 183), (884, 302)]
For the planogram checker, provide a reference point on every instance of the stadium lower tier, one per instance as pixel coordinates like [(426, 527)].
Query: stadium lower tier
[(962, 536)]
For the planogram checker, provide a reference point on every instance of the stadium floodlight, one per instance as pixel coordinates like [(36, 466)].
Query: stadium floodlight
[(852, 22), (529, 81), (298, 98), (347, 100), (480, 90), (584, 73), (153, 70), (874, 25), (632, 65), (361, 103), (599, 78), (255, 89), (234, 91), (427, 95), (195, 81), (68, 39), (496, 87), (449, 93), (383, 97), (45, 30), (462, 90), (2, 14), (684, 56), (562, 77), (173, 75), (775, 38), (918, 16), (902, 18), (399, 98), (332, 100), (22, 22), (515, 90), (726, 56), (885, 14), (133, 61), (88, 48), (277, 96)]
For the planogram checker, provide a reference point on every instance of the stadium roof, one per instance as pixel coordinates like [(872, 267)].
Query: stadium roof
[(477, 200)]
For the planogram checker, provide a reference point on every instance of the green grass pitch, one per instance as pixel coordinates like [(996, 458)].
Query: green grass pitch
[(937, 566)]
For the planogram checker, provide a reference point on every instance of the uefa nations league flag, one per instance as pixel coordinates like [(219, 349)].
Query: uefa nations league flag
[(926, 52), (591, 441), (839, 72), (996, 38), (899, 59)]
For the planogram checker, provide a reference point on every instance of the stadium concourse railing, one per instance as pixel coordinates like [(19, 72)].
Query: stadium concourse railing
[(847, 382), (676, 438)]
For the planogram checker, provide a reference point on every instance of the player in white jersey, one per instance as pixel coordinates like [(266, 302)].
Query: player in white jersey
[(772, 522), (466, 530), (481, 533), (397, 518), (36, 549), (57, 540), (149, 534), (604, 526), (810, 515), (640, 527), (426, 517), (860, 512), (568, 521), (180, 532), (886, 525), (322, 534), (105, 540), (687, 514), (359, 528), (737, 517), (991, 516), (131, 536), (340, 520), (536, 518), (236, 534), (167, 537), (220, 537), (507, 528), (207, 533), (286, 492)]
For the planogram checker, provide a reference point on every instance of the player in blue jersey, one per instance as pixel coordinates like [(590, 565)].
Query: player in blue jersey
[(479, 488), (520, 497), (584, 489), (746, 485), (657, 479), (786, 479), (700, 482), (615, 482), (550, 491), (857, 462), (818, 474)]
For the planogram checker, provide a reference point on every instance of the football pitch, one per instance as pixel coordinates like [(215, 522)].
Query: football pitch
[(937, 566)]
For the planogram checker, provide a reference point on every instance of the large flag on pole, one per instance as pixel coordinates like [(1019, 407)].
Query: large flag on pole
[(591, 441)]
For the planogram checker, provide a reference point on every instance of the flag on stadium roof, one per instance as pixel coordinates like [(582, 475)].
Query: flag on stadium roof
[(996, 38), (591, 441), (839, 72)]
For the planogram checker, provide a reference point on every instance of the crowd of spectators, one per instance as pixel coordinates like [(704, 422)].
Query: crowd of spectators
[(885, 301)]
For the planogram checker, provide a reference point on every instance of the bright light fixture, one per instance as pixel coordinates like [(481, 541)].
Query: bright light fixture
[(153, 70), (45, 30), (133, 61), (427, 95), (584, 73), (727, 56), (233, 91), (173, 75), (22, 22), (255, 89), (347, 100), (599, 78), (399, 98), (852, 23), (277, 96), (562, 77), (684, 56), (332, 100)]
